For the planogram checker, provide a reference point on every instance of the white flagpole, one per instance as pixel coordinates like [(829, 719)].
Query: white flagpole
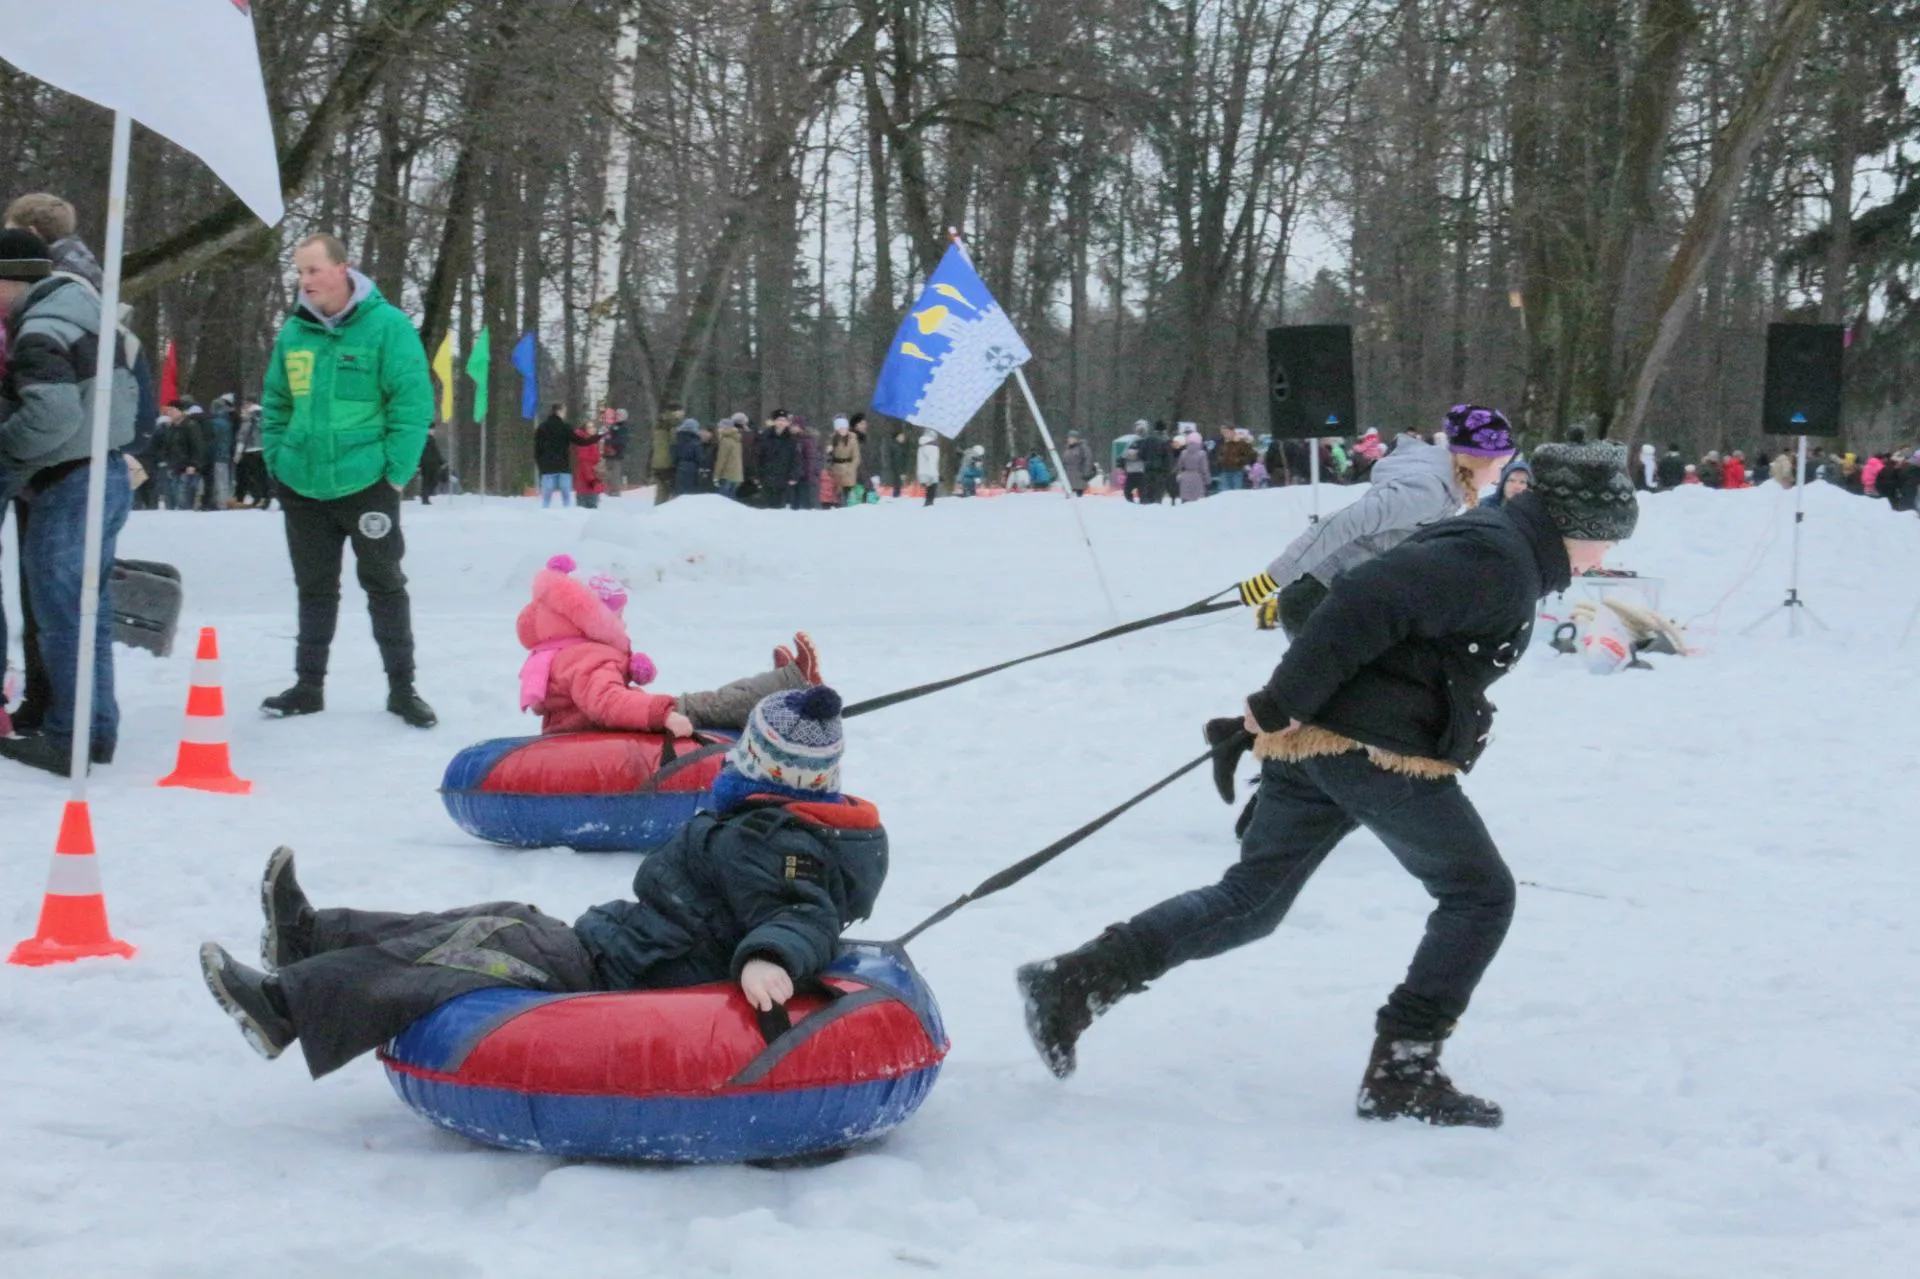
[(108, 348), (1073, 498), (1059, 468)]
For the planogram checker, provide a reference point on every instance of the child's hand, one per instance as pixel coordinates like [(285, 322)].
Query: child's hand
[(679, 725), (765, 984)]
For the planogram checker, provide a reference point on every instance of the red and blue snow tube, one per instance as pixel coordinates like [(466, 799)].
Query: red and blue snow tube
[(681, 1076), (596, 792)]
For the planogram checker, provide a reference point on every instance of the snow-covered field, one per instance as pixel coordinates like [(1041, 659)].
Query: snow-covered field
[(1703, 1026)]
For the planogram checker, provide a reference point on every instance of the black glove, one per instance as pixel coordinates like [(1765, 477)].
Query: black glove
[(1230, 741)]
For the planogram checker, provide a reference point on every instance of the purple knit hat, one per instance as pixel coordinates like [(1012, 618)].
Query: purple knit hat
[(1478, 432)]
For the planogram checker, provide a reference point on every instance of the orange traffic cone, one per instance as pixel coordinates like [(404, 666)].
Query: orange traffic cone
[(203, 762), (73, 914)]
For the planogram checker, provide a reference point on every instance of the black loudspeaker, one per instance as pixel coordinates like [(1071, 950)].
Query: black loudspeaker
[(1803, 379), (1310, 381)]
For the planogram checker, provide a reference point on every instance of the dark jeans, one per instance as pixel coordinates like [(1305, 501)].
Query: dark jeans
[(52, 554), (371, 974), (316, 532), (1305, 809)]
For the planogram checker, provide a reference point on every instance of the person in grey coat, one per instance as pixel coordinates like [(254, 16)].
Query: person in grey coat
[(1192, 470), (46, 444), (1077, 458), (1413, 486)]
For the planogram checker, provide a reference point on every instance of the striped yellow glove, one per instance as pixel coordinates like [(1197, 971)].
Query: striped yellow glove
[(1256, 589), (1267, 616)]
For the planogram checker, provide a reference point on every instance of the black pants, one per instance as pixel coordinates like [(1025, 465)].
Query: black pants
[(1303, 810), (250, 479), (316, 531), (371, 974)]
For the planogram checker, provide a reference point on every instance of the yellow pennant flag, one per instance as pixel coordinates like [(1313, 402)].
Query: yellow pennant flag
[(443, 369)]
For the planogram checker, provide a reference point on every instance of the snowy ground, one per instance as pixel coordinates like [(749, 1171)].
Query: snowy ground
[(1702, 1026)]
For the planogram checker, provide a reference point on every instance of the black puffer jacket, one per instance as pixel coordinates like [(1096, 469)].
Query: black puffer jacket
[(1401, 654), (553, 446), (774, 879)]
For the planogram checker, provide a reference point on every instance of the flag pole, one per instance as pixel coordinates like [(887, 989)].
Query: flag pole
[(1059, 468), (107, 347)]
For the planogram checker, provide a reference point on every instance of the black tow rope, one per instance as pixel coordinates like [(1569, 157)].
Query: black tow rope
[(672, 763), (1198, 609), (1025, 867)]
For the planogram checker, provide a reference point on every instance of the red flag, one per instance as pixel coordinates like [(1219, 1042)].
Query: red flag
[(170, 376)]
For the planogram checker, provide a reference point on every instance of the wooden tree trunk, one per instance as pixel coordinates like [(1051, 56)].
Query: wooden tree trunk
[(1733, 153)]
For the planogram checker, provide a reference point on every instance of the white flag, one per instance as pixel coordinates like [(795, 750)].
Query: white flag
[(187, 69)]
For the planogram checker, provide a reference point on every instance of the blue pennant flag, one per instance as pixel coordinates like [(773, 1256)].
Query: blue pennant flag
[(526, 358), (952, 352)]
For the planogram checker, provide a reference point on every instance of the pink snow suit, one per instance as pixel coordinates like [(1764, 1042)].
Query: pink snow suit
[(582, 647)]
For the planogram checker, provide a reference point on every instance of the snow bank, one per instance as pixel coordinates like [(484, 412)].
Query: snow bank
[(1696, 1026)]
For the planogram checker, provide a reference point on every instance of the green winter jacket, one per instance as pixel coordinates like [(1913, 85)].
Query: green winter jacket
[(349, 404)]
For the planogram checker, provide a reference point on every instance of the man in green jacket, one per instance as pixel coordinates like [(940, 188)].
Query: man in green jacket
[(345, 416)]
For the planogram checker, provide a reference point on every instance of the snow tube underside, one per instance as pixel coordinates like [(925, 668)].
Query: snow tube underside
[(683, 1076), (596, 792)]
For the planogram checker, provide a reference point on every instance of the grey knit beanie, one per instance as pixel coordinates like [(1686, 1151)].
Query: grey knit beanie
[(1586, 491)]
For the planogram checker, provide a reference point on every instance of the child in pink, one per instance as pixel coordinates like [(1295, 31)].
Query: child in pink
[(581, 671)]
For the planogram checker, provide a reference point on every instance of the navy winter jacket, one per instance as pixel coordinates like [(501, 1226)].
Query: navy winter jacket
[(1402, 652), (773, 879)]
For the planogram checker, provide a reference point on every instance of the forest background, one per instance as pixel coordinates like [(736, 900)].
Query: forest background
[(1585, 211)]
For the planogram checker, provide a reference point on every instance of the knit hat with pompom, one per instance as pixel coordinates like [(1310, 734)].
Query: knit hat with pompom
[(793, 740), (611, 590)]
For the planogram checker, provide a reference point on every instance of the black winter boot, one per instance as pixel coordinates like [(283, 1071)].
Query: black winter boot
[(1404, 1078), (1063, 995), (43, 751), (288, 936), (302, 699), (251, 998), (1230, 741), (409, 706)]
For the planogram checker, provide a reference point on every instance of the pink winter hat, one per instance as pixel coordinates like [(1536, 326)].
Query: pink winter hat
[(611, 590)]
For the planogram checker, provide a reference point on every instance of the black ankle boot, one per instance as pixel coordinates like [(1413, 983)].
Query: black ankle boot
[(44, 751), (251, 998), (1063, 995), (409, 706), (304, 698), (1230, 741), (1404, 1079), (288, 935)]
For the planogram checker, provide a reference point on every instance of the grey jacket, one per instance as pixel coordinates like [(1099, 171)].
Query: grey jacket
[(1078, 459), (46, 401), (1411, 486)]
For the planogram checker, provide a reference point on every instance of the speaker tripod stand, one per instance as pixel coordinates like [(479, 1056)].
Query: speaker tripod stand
[(1793, 606)]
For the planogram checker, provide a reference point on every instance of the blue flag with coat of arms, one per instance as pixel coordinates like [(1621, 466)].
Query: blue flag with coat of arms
[(952, 352)]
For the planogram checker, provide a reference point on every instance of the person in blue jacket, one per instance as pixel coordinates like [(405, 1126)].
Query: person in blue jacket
[(755, 891), (1037, 471), (687, 455), (1515, 479)]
